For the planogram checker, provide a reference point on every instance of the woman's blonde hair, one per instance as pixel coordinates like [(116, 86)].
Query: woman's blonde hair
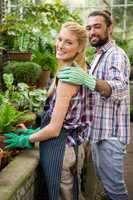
[(81, 35), (79, 59)]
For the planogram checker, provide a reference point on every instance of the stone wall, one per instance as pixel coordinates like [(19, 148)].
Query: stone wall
[(20, 180)]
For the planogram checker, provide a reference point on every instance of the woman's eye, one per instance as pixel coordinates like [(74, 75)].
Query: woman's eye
[(69, 43)]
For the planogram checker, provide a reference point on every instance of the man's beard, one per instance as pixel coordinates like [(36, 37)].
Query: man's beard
[(100, 42)]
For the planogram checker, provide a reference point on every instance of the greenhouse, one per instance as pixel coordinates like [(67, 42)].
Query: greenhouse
[(66, 100)]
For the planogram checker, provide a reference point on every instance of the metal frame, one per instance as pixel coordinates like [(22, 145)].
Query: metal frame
[(98, 4)]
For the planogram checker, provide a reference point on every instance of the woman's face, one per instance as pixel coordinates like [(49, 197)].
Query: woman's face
[(67, 46)]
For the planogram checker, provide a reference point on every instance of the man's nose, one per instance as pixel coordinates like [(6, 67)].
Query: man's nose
[(92, 31)]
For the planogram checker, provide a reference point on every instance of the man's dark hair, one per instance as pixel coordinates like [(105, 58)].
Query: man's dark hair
[(107, 12), (107, 17)]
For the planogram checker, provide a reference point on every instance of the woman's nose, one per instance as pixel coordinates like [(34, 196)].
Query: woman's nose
[(61, 45)]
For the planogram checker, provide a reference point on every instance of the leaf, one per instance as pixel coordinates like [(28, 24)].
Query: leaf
[(9, 116)]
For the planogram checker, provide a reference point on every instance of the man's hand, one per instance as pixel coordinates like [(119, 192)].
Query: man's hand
[(76, 75), (27, 131), (15, 141)]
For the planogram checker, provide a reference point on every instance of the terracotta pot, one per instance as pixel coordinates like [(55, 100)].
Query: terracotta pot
[(21, 56), (44, 78), (2, 138), (30, 121), (1, 156), (5, 157)]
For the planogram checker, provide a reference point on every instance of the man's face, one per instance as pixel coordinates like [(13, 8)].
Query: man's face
[(97, 30)]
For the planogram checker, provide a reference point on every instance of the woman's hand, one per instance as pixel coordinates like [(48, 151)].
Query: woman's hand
[(27, 131), (13, 141)]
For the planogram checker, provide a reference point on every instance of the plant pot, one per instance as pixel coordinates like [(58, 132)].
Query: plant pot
[(1, 156), (2, 138), (5, 158), (31, 120), (6, 155), (44, 78), (20, 56)]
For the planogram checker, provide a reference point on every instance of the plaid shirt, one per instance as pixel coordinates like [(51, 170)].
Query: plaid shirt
[(110, 116), (77, 116)]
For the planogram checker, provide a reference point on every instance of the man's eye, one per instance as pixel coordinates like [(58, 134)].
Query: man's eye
[(88, 28), (97, 26)]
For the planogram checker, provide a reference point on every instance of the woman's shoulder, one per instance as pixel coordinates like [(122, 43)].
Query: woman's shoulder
[(66, 89)]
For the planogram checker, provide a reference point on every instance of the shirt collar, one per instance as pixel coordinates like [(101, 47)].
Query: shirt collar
[(105, 47)]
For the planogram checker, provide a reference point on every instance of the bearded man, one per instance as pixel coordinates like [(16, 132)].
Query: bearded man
[(108, 98)]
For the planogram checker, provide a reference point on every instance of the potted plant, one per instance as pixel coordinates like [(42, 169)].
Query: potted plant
[(14, 33), (27, 72), (10, 117), (22, 96), (48, 65), (30, 100), (5, 157), (45, 57), (21, 31)]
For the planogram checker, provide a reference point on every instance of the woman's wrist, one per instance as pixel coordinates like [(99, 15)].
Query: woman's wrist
[(32, 138)]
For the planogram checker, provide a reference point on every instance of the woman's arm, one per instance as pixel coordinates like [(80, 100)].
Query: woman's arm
[(64, 94)]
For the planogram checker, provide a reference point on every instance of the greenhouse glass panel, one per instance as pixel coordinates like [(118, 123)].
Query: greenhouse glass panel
[(118, 14), (129, 17), (118, 2), (130, 1)]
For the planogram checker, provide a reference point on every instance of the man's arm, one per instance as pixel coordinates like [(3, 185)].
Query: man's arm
[(118, 74), (78, 76), (116, 84), (103, 88)]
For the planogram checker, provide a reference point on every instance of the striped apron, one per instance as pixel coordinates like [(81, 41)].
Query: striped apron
[(51, 159)]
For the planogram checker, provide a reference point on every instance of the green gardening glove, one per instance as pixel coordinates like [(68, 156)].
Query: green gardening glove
[(76, 75), (29, 131), (14, 141)]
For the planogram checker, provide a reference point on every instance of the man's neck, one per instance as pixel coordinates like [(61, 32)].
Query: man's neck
[(98, 49)]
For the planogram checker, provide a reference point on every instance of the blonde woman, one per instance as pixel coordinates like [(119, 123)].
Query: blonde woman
[(64, 124)]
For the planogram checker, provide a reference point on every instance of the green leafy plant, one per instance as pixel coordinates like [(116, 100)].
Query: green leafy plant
[(22, 31), (27, 72), (32, 100), (10, 117), (1, 98), (89, 54), (45, 56), (37, 99), (126, 44), (46, 60), (21, 96)]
